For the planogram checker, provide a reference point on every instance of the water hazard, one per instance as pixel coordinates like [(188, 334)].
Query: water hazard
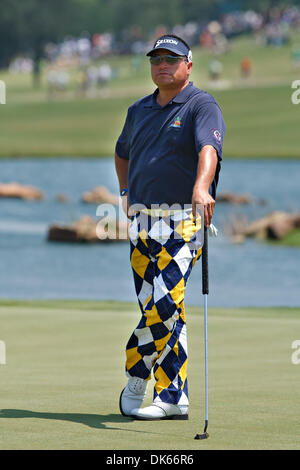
[(249, 274)]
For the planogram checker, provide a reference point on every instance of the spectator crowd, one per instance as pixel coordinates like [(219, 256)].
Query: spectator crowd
[(270, 28)]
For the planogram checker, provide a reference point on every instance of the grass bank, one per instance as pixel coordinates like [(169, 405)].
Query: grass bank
[(290, 239), (261, 120), (65, 369)]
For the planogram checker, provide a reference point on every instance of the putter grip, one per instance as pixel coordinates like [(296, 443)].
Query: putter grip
[(205, 263)]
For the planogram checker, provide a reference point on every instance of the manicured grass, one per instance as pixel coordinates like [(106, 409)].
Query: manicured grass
[(291, 239), (65, 369), (261, 120)]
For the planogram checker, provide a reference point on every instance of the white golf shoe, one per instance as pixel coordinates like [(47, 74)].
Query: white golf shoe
[(132, 395), (161, 410)]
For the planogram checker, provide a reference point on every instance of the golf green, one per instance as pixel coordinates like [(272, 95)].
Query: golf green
[(64, 372)]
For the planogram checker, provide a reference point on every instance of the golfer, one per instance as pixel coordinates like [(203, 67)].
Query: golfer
[(167, 162)]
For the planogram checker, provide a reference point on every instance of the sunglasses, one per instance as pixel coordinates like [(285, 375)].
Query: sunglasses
[(169, 59)]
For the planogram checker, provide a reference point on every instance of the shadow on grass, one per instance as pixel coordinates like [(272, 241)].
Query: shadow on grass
[(91, 420)]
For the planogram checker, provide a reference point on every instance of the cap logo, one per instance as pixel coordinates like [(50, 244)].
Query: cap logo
[(166, 41)]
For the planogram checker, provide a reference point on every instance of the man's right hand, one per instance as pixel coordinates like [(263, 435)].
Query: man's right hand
[(203, 198)]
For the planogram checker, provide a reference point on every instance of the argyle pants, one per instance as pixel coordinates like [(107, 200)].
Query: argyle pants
[(163, 250)]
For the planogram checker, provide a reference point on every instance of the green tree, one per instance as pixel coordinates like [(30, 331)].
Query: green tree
[(30, 24)]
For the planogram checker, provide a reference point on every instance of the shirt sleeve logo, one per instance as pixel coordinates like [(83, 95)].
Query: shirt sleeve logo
[(217, 135), (177, 122)]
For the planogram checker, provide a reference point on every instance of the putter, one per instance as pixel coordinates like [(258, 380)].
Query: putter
[(205, 293)]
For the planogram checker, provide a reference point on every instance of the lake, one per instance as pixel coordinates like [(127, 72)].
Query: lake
[(249, 274)]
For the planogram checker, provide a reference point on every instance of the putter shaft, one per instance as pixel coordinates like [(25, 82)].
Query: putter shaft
[(205, 290)]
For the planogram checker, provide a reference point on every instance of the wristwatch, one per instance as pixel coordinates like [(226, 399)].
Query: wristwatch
[(123, 192)]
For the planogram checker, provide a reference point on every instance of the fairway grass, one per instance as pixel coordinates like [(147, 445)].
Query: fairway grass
[(261, 122), (64, 372)]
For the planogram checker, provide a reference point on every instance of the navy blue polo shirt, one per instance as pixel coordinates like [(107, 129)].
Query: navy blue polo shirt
[(162, 145)]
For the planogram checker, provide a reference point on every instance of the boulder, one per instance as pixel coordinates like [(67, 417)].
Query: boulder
[(234, 198), (16, 190), (238, 239), (62, 198), (88, 230), (274, 226), (279, 227), (296, 220), (234, 228), (100, 195)]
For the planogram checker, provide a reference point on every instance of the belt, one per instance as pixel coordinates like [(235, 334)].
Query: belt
[(164, 213)]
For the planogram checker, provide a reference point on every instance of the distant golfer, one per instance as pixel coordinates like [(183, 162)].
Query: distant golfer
[(168, 155)]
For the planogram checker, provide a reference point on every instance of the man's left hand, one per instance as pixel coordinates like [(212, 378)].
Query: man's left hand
[(203, 197)]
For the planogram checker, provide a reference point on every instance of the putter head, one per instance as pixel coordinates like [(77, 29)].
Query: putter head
[(201, 436)]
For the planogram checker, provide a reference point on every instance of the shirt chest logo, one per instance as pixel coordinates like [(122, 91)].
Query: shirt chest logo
[(176, 122)]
